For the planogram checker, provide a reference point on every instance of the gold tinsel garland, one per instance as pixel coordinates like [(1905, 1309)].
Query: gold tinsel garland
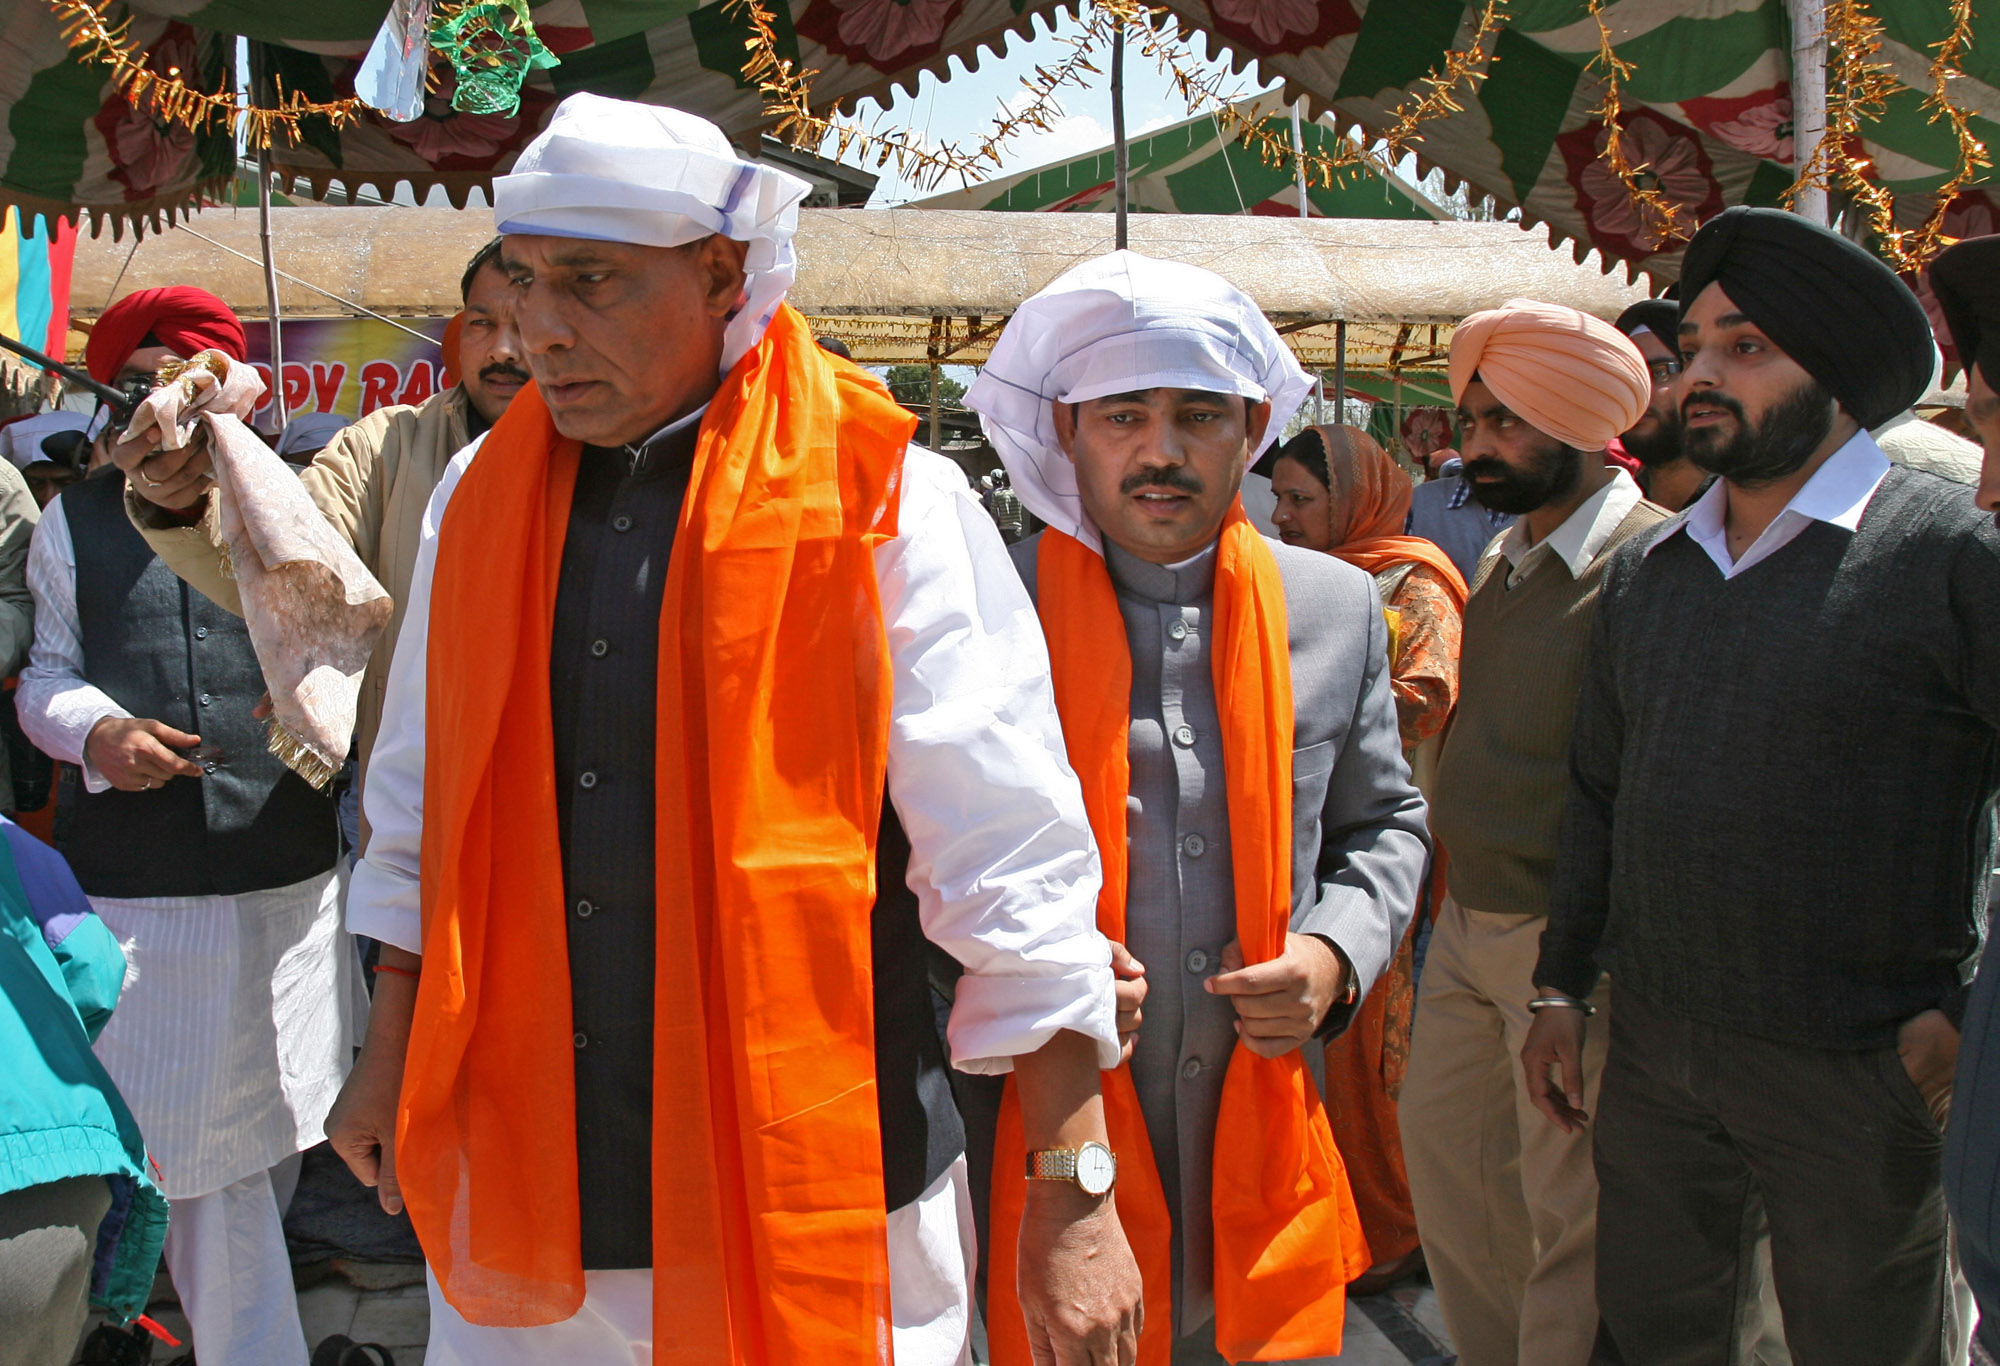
[(787, 93), (170, 99), (1659, 215), (1859, 85)]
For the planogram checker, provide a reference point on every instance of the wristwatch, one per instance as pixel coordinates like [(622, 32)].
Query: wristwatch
[(1093, 1167)]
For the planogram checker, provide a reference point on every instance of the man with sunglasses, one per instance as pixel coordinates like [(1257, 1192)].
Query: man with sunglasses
[(1666, 476), (212, 863)]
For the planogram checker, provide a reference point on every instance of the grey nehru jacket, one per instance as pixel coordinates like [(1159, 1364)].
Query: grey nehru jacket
[(1358, 840)]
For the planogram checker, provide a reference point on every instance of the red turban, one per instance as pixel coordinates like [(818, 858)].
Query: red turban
[(181, 317)]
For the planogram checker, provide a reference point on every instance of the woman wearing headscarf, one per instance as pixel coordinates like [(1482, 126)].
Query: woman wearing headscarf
[(1340, 493)]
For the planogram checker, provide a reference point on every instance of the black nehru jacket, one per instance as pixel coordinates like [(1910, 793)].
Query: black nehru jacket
[(1781, 806), (160, 650), (603, 676)]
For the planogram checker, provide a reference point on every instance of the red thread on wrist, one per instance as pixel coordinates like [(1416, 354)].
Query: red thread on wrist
[(381, 968)]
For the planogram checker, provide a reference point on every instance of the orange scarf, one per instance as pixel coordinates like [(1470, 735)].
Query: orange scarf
[(1287, 1235), (1370, 497), (768, 1228)]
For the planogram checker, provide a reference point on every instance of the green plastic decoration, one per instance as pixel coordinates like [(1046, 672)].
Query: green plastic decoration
[(492, 46)]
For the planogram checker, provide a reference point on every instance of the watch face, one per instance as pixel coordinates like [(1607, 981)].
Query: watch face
[(1096, 1168)]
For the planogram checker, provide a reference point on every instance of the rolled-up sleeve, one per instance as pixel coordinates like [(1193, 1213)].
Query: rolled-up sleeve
[(385, 897), (1002, 861)]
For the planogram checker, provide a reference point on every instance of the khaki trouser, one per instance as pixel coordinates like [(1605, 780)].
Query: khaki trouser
[(1506, 1202)]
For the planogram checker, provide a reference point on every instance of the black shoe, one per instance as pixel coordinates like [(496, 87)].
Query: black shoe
[(110, 1346), (340, 1350)]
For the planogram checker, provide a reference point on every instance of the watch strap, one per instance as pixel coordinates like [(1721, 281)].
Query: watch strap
[(1052, 1164)]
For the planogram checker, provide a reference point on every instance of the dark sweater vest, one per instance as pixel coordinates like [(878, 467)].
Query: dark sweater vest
[(162, 651), (1781, 815), (1503, 774)]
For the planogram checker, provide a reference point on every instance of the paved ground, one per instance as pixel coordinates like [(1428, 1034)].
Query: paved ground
[(1396, 1329)]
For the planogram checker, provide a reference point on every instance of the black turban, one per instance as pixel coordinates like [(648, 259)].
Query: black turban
[(1829, 304), (1661, 317), (1966, 280)]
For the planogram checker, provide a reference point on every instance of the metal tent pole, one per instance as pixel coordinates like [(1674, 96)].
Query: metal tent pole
[(1808, 100), (1299, 158), (1340, 372), (257, 92), (1120, 153)]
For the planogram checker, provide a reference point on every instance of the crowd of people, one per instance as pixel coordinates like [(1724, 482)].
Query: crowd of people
[(774, 919)]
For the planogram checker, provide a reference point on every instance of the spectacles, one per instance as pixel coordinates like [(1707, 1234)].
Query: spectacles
[(1664, 369)]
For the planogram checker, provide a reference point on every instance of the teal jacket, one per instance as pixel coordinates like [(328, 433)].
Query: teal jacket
[(60, 1116)]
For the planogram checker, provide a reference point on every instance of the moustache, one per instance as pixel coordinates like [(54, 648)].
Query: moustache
[(1712, 399), (1485, 464), (513, 372), (1171, 480)]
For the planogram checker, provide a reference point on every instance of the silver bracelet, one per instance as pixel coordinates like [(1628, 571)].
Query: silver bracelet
[(1557, 1002)]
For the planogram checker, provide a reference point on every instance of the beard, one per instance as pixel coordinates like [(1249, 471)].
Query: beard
[(1661, 446), (1552, 475), (1767, 451)]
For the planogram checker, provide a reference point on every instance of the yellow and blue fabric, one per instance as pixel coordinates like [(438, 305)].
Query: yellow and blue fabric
[(35, 260)]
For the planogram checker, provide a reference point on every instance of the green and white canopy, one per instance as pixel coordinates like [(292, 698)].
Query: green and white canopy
[(1197, 166), (1707, 108)]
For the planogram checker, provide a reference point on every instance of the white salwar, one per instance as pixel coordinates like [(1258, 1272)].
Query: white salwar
[(931, 1260), (233, 1034)]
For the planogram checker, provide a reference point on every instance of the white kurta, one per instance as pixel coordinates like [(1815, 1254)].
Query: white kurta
[(1002, 864), (236, 1025)]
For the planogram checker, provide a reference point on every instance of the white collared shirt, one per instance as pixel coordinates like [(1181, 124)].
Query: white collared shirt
[(1837, 494), (1580, 539), (1002, 861)]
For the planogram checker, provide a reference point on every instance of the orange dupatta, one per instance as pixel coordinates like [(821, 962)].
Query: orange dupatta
[(1370, 497), (1287, 1235), (768, 1226)]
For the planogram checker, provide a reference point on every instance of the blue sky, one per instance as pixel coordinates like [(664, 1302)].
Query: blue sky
[(965, 111)]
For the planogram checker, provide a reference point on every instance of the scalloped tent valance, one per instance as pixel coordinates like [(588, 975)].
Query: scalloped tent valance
[(1707, 108)]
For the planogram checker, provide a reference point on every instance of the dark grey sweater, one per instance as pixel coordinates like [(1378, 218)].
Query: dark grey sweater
[(1781, 803)]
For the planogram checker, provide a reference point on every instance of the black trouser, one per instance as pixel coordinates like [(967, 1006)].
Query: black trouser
[(1972, 1152), (1700, 1130)]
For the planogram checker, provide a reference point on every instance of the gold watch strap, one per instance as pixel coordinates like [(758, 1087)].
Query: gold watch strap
[(1052, 1164)]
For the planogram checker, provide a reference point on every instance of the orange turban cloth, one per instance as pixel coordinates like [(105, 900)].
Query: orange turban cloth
[(1566, 374), (179, 316)]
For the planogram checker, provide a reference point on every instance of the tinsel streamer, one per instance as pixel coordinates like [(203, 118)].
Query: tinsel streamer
[(1659, 215), (170, 99)]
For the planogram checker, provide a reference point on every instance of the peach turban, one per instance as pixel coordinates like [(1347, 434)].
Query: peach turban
[(1566, 374)]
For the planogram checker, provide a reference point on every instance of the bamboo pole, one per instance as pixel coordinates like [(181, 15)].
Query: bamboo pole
[(257, 92)]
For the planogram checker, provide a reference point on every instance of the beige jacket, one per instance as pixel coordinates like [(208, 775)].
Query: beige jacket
[(373, 482)]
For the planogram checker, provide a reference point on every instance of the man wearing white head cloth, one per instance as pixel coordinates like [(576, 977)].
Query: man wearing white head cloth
[(717, 700), (1227, 704)]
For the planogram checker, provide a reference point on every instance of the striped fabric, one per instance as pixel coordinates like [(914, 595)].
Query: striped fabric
[(34, 280), (236, 1026)]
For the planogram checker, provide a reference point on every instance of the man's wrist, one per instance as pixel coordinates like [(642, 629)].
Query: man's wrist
[(1063, 1200), (1553, 998)]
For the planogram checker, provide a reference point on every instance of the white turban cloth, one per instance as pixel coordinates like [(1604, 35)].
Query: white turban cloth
[(1121, 323), (615, 171)]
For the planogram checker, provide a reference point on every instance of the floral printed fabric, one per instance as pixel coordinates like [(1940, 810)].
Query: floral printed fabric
[(1425, 673)]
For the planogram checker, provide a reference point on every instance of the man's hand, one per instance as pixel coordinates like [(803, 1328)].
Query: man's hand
[(1131, 975), (1928, 1047), (361, 1127), (133, 754), (1552, 1061), (1279, 1004), (171, 479), (1078, 1283)]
